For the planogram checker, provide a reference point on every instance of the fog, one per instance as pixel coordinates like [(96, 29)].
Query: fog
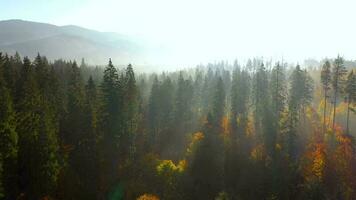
[(189, 32)]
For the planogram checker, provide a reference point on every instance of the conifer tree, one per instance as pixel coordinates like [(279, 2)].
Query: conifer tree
[(153, 112), (182, 114), (88, 149), (109, 126), (350, 91), (207, 168), (130, 121), (300, 95), (38, 146), (260, 97), (338, 78), (240, 92), (218, 106), (325, 78), (8, 142)]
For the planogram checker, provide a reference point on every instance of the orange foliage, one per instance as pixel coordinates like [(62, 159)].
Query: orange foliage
[(225, 126), (316, 162), (196, 137), (345, 159), (258, 153), (148, 197)]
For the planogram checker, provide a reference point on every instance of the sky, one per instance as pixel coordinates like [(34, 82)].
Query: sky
[(206, 31)]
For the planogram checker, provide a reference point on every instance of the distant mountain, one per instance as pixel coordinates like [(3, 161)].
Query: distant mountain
[(69, 42)]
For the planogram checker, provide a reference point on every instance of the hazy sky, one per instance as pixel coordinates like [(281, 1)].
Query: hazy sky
[(203, 30)]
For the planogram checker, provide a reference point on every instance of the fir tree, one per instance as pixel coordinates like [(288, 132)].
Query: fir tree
[(8, 142), (325, 78), (338, 76), (350, 90)]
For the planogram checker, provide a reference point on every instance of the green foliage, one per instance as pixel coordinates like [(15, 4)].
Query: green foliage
[(224, 134)]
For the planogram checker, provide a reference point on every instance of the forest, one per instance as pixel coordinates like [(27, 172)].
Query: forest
[(221, 131)]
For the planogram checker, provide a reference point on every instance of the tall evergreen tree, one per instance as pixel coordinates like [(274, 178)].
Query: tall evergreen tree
[(207, 167), (109, 127), (300, 95), (325, 78), (38, 147), (260, 97), (338, 78), (182, 115), (350, 91), (219, 100), (8, 142), (130, 105)]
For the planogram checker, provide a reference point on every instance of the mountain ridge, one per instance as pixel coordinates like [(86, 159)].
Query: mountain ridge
[(68, 42)]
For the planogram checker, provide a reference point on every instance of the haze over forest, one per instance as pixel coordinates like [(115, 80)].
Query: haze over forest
[(181, 33)]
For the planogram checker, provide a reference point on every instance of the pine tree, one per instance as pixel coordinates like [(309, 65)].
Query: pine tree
[(8, 142), (153, 112), (300, 95), (207, 168), (325, 78), (338, 76), (131, 109), (240, 92), (38, 146), (182, 115), (260, 97), (218, 106), (350, 91), (109, 124), (88, 150)]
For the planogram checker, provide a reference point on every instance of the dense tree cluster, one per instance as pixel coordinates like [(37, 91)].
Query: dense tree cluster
[(220, 131)]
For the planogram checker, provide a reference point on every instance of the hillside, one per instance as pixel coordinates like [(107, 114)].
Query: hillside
[(68, 42)]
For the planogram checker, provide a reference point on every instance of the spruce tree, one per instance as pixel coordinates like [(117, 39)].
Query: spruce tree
[(218, 106), (109, 125), (130, 103), (153, 112), (207, 167), (38, 146), (338, 78), (325, 78), (8, 142), (300, 95), (88, 150), (350, 90)]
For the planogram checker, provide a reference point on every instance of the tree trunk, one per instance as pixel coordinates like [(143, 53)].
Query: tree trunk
[(334, 114)]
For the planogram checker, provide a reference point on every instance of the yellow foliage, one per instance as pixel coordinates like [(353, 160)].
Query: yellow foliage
[(341, 108), (168, 165), (257, 153), (319, 161), (316, 162), (250, 129), (196, 137), (309, 112), (225, 125), (182, 165), (148, 197)]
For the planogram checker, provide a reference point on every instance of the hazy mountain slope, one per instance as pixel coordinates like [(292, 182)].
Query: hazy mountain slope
[(68, 42)]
